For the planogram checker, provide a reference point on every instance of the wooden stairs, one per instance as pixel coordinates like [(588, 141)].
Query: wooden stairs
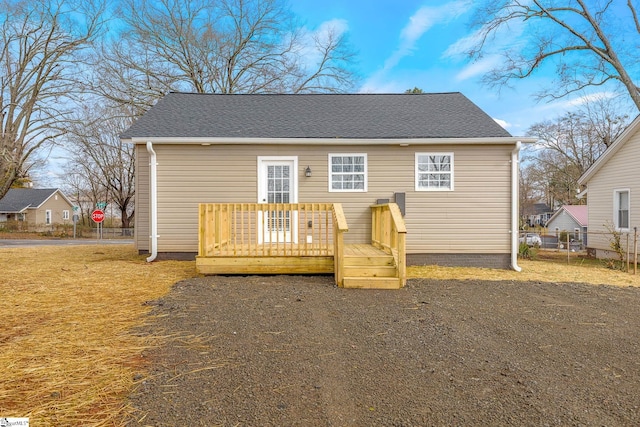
[(367, 267)]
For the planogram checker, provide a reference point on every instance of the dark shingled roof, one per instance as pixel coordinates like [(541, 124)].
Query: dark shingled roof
[(18, 199), (366, 116)]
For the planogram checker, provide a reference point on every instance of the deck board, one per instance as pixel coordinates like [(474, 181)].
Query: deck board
[(272, 249), (364, 250)]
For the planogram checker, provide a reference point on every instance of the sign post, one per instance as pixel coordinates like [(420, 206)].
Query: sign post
[(75, 219), (98, 216)]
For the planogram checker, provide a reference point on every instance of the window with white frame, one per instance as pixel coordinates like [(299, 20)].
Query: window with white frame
[(434, 171), (621, 209), (348, 172), (47, 217), (65, 215)]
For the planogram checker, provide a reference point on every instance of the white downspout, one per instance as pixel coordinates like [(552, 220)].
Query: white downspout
[(153, 196), (514, 207)]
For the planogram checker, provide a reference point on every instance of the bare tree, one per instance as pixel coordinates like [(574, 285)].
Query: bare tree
[(530, 191), (228, 46), (84, 188), (40, 47), (103, 159), (568, 146), (590, 43)]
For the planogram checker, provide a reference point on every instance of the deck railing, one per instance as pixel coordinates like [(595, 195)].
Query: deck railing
[(388, 232), (267, 229), (339, 228)]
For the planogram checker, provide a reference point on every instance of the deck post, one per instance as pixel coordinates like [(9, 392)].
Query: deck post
[(339, 228)]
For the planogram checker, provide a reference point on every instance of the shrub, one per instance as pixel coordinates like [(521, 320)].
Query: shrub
[(615, 243), (527, 252)]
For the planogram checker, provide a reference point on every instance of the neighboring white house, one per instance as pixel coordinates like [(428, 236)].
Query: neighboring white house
[(613, 190)]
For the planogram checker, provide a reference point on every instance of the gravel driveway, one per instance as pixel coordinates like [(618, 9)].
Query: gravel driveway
[(297, 351)]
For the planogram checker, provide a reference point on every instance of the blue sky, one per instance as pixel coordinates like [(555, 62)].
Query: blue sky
[(402, 44)]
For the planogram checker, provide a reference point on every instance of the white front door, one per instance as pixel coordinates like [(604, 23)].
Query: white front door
[(277, 183)]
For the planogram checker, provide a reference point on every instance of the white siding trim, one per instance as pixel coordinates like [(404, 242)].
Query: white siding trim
[(330, 172), (295, 172), (435, 153), (616, 206)]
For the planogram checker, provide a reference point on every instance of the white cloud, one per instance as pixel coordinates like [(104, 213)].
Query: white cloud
[(311, 39), (506, 36), (421, 22), (478, 67), (380, 83), (462, 46), (418, 24), (592, 97), (505, 124), (337, 27)]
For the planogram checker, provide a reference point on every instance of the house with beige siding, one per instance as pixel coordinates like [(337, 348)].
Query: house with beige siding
[(39, 207), (613, 191), (264, 168)]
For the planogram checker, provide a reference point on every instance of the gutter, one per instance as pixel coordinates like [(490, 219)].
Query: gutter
[(153, 196), (514, 207), (403, 142)]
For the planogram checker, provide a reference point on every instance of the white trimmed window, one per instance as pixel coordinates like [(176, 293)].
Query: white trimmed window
[(621, 209), (348, 172), (47, 217), (65, 215), (434, 171)]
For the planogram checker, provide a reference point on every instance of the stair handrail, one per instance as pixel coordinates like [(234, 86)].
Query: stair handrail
[(388, 232), (340, 227)]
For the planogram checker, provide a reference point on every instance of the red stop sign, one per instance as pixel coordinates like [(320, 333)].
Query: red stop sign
[(97, 216)]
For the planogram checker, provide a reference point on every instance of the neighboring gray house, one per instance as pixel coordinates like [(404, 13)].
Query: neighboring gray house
[(573, 219), (613, 190), (452, 167), (538, 214), (36, 206)]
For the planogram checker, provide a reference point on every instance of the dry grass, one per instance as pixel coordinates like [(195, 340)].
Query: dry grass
[(68, 355), (550, 266)]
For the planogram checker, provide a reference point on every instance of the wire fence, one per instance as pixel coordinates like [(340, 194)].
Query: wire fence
[(114, 232), (620, 247)]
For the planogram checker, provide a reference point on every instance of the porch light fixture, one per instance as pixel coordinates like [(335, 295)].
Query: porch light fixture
[(307, 172)]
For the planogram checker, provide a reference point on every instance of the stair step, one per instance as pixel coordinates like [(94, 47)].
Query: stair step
[(371, 282), (370, 271), (353, 260)]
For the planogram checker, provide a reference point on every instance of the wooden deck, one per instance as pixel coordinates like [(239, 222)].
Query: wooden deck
[(230, 244)]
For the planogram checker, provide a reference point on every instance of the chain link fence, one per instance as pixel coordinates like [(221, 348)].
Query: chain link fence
[(614, 247)]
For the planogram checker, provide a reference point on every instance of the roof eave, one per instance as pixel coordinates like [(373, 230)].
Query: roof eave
[(55, 190), (15, 211), (613, 148), (329, 141), (557, 213)]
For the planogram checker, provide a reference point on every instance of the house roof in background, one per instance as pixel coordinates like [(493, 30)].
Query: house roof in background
[(579, 213), (18, 199), (340, 116)]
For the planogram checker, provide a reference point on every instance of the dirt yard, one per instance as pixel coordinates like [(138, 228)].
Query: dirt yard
[(297, 351)]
